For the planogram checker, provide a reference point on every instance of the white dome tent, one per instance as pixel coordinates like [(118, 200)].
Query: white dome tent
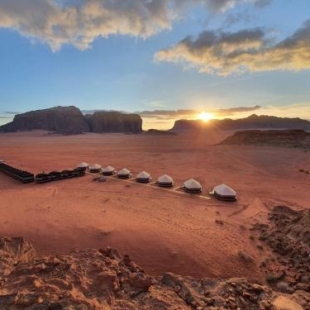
[(165, 181), (94, 168), (224, 192), (83, 165), (192, 186), (143, 177), (109, 170), (123, 173)]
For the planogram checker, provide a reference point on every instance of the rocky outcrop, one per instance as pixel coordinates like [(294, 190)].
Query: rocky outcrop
[(103, 279), (13, 250), (64, 120), (156, 132), (288, 235), (283, 138), (252, 122), (70, 120), (106, 121)]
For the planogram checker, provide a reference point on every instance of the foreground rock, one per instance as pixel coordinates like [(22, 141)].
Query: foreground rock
[(282, 138), (102, 279), (70, 120), (288, 235)]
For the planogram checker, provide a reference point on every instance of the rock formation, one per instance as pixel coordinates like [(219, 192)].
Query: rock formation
[(284, 138), (103, 121), (251, 122), (70, 120), (59, 119), (288, 235), (156, 132), (102, 279)]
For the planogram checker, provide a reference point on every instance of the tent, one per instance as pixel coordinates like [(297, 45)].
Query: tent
[(224, 192), (192, 186), (143, 177), (109, 170), (94, 168), (83, 165), (123, 174), (165, 181)]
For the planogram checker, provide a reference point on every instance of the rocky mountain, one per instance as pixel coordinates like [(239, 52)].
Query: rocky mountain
[(112, 121), (252, 122), (103, 279), (70, 120), (58, 119), (282, 138)]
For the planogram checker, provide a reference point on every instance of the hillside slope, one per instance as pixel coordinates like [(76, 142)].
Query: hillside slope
[(281, 138), (102, 279)]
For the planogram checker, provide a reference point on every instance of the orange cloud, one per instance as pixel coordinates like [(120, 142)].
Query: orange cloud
[(79, 22), (247, 50)]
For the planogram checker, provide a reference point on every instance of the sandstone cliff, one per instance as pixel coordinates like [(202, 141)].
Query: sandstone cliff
[(70, 120), (105, 121), (283, 138), (58, 119), (252, 122)]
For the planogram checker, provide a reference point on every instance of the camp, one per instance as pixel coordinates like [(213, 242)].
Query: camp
[(192, 186), (123, 174), (94, 168), (143, 177), (83, 165), (165, 181), (224, 192), (109, 170)]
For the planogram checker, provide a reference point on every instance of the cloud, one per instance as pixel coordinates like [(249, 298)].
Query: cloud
[(232, 111), (80, 22), (190, 114), (167, 114), (224, 5), (262, 3), (224, 53), (11, 112)]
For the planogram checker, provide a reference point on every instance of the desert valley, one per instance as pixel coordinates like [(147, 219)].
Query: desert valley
[(162, 230)]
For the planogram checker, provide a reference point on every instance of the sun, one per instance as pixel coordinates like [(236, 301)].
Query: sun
[(205, 116)]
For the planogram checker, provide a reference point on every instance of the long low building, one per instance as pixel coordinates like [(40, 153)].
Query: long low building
[(15, 173)]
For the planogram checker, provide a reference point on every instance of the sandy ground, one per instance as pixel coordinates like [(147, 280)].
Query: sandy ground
[(162, 230)]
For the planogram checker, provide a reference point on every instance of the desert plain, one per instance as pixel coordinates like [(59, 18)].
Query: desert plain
[(161, 229)]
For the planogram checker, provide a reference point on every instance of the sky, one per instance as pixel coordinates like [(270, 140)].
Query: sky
[(164, 59)]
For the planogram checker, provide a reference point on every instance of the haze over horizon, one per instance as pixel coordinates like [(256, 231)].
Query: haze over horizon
[(164, 59)]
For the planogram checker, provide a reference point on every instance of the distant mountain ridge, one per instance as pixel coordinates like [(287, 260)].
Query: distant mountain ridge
[(70, 120), (294, 138), (252, 122)]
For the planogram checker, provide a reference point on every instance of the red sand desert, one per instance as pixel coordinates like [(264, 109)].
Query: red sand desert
[(162, 230)]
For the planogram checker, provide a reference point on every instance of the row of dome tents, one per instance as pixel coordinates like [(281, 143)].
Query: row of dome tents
[(222, 191)]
